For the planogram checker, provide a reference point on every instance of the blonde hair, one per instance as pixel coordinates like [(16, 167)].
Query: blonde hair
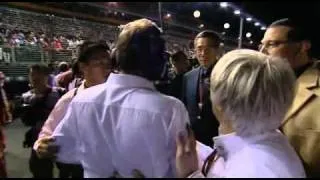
[(128, 30), (254, 90)]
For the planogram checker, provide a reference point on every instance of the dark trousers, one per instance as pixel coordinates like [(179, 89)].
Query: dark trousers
[(40, 168), (70, 170)]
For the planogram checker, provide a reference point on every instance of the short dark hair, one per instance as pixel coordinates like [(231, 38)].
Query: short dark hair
[(212, 35), (39, 68), (63, 67), (298, 31), (84, 46), (94, 51), (178, 55), (75, 69)]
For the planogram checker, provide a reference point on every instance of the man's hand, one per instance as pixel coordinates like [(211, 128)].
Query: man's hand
[(47, 148), (186, 155)]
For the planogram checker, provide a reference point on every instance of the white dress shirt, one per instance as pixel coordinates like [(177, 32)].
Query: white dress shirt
[(121, 125), (265, 156)]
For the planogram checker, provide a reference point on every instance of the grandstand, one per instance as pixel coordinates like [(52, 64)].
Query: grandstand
[(14, 58)]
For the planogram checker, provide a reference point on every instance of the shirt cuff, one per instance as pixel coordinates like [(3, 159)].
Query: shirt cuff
[(196, 174), (36, 145)]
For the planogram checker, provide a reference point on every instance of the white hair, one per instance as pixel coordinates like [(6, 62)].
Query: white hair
[(253, 90)]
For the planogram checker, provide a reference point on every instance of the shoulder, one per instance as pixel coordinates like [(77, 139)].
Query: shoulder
[(168, 101), (67, 97), (260, 162), (92, 94), (192, 72), (58, 91)]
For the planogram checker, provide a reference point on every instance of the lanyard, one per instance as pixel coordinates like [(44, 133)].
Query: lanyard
[(201, 90), (209, 161)]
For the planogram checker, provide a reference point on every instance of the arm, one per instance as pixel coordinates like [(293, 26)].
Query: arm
[(179, 121), (54, 118), (65, 136)]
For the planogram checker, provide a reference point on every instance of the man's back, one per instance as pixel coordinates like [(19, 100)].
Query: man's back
[(122, 125)]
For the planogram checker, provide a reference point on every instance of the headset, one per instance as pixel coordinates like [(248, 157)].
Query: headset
[(144, 52)]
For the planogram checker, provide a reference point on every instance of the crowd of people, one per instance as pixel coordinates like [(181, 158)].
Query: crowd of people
[(243, 114), (19, 38)]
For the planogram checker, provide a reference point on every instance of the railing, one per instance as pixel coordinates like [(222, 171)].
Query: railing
[(14, 61), (30, 54)]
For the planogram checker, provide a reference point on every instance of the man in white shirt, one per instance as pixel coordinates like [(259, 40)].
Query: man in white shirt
[(124, 124)]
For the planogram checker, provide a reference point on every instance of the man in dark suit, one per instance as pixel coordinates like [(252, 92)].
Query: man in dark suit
[(196, 93)]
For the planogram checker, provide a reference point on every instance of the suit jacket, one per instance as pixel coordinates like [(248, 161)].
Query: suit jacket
[(206, 127), (302, 122)]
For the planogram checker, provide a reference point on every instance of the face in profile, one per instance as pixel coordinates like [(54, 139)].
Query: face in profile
[(96, 70), (205, 52), (275, 43)]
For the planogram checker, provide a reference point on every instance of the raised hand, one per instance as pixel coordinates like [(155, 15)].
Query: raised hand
[(186, 154)]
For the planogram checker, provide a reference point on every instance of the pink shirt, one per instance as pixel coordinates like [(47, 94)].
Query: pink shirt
[(57, 114)]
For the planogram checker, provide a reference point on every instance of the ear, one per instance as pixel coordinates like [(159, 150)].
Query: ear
[(306, 46), (220, 51), (82, 67), (217, 111)]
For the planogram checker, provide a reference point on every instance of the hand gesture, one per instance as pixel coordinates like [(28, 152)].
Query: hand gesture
[(186, 155), (47, 148)]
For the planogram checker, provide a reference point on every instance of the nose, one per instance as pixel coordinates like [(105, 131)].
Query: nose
[(201, 53), (263, 49)]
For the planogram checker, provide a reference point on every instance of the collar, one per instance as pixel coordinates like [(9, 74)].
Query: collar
[(300, 70), (205, 72), (82, 86), (310, 77), (130, 81), (230, 144)]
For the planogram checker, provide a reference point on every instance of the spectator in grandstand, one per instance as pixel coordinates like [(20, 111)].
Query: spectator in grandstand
[(195, 91), (148, 143), (38, 103), (250, 93), (290, 39), (44, 42), (72, 43), (56, 44), (31, 40), (181, 66), (94, 58)]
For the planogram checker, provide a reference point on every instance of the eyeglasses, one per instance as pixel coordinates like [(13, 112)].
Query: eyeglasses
[(205, 49), (272, 44)]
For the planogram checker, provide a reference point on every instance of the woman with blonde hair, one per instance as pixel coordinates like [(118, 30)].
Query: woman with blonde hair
[(250, 93)]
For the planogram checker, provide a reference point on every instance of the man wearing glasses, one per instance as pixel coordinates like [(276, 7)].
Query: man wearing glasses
[(195, 88), (288, 39)]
